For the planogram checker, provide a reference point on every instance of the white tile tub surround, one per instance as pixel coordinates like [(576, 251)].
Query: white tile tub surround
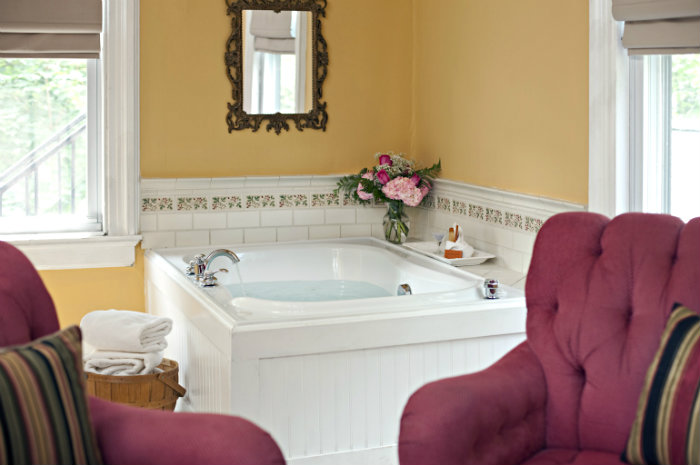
[(250, 210), (227, 211), (495, 221)]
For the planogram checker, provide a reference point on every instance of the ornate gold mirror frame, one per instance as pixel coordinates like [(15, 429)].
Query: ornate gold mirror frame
[(237, 118)]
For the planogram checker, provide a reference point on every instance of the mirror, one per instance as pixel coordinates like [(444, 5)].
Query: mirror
[(276, 61)]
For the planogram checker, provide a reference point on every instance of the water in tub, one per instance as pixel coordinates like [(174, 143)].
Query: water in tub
[(308, 291), (241, 286)]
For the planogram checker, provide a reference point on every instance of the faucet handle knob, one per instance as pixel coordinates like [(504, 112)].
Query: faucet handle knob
[(196, 266), (209, 280)]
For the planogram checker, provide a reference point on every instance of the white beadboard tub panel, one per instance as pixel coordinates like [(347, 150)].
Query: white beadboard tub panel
[(331, 391), (204, 370), (345, 401)]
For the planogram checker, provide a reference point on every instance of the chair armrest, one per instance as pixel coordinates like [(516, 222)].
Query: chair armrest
[(494, 417), (131, 435)]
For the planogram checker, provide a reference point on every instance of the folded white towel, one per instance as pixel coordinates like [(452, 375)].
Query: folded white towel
[(124, 330), (105, 362), (460, 243)]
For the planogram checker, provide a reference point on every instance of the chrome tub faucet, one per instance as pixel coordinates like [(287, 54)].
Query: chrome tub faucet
[(200, 264)]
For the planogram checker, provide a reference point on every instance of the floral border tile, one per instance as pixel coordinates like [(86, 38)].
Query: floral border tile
[(293, 200), (325, 200), (192, 203), (532, 224), (476, 211), (429, 202), (494, 216), (230, 202), (155, 204), (459, 207), (443, 204), (349, 201), (297, 198), (260, 201), (513, 220)]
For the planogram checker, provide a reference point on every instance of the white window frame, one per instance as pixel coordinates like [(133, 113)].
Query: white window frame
[(620, 141), (119, 137), (608, 114)]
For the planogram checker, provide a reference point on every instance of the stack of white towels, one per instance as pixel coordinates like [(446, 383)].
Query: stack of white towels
[(122, 342)]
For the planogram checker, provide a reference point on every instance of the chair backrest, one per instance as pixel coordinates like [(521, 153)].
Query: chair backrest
[(599, 292), (26, 309)]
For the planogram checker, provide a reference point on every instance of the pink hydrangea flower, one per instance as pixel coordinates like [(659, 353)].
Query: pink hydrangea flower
[(402, 188), (361, 191)]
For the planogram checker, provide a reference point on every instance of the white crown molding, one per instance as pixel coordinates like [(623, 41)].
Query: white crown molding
[(153, 185), (541, 206)]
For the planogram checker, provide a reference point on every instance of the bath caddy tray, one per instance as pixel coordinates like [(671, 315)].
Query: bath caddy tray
[(429, 248)]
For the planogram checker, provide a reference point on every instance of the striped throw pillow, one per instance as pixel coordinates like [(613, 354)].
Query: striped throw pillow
[(666, 430), (44, 414)]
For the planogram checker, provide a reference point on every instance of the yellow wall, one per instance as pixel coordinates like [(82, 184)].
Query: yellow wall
[(77, 292), (184, 91), (497, 90), (501, 93)]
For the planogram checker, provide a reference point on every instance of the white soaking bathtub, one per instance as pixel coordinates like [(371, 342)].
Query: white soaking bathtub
[(316, 346)]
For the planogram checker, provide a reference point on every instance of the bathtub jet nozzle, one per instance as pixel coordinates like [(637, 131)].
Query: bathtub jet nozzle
[(491, 289), (404, 289)]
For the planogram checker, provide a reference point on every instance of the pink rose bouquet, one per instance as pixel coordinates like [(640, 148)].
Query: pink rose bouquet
[(394, 181)]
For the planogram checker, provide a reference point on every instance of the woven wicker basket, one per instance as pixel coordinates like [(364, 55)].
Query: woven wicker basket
[(157, 391)]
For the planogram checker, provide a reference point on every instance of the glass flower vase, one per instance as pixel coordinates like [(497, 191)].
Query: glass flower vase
[(396, 222)]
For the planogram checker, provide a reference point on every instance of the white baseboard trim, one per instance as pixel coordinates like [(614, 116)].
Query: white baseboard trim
[(387, 455)]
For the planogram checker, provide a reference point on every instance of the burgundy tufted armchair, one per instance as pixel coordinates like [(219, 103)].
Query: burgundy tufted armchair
[(129, 435), (598, 294)]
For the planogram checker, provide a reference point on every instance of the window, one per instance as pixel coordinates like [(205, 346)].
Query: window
[(665, 134), (643, 117), (49, 156), (108, 239)]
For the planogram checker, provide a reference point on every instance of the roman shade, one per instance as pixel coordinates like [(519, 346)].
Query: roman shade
[(659, 26), (272, 31), (50, 28)]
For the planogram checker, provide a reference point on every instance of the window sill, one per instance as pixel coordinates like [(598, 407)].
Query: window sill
[(72, 251)]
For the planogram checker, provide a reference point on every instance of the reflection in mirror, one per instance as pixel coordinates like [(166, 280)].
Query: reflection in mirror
[(276, 61)]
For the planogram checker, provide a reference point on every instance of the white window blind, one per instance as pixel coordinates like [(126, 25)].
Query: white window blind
[(50, 28), (272, 31), (659, 26)]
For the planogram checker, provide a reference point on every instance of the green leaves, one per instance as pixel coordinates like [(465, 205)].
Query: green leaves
[(37, 98), (686, 82), (430, 173), (349, 184)]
